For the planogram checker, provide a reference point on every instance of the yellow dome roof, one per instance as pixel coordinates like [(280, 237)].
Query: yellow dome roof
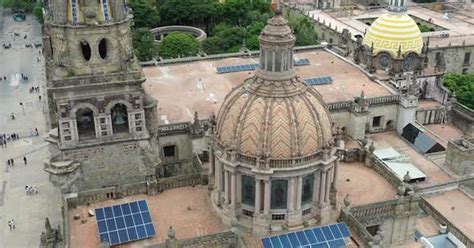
[(391, 31)]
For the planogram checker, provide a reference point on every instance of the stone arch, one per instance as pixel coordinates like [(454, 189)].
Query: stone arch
[(85, 123), (78, 106), (118, 111)]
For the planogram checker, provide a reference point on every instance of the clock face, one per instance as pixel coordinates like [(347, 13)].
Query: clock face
[(384, 60), (408, 62)]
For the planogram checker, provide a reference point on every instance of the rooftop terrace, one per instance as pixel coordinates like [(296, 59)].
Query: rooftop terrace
[(169, 208), (200, 88)]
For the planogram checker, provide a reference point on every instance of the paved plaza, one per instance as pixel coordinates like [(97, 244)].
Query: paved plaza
[(27, 211)]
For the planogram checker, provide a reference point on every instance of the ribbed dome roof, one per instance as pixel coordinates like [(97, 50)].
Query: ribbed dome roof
[(274, 114), (271, 123), (394, 31)]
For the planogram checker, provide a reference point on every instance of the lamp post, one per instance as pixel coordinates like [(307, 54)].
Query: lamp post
[(22, 107)]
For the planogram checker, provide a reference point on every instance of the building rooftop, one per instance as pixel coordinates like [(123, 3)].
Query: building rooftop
[(169, 208), (357, 180), (457, 208), (200, 88), (434, 174), (443, 132), (459, 26)]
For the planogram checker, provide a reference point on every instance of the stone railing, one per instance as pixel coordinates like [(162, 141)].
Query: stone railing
[(429, 209), (270, 163), (98, 79), (335, 106), (434, 189), (463, 118), (386, 173), (223, 239), (356, 227), (174, 128), (383, 100), (98, 195), (375, 209), (179, 181)]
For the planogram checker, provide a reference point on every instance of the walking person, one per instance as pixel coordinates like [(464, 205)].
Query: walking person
[(12, 162), (10, 224), (25, 160), (8, 163), (13, 224)]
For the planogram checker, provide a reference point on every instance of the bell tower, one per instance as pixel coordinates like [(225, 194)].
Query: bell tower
[(97, 105)]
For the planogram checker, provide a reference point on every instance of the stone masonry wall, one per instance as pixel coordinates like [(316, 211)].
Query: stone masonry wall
[(124, 161)]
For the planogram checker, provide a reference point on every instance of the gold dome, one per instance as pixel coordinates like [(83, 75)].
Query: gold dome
[(394, 31)]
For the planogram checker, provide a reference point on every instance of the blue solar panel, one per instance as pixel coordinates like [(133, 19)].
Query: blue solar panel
[(319, 80), (330, 236), (123, 223), (236, 68), (299, 62)]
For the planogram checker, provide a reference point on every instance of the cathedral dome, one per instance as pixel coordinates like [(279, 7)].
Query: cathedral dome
[(392, 32), (274, 114)]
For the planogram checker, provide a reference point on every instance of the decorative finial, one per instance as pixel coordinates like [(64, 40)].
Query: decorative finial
[(347, 201), (407, 177), (171, 233)]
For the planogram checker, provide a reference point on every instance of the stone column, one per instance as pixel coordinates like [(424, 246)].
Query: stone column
[(327, 186), (213, 161), (336, 169), (291, 194), (258, 196), (316, 186), (218, 175), (299, 193), (322, 188), (233, 193), (226, 187), (267, 195)]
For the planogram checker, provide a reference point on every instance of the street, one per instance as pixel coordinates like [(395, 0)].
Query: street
[(27, 211)]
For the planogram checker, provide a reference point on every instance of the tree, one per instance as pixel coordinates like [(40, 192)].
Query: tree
[(463, 86), (144, 44), (226, 39), (18, 4), (304, 30), (144, 13), (178, 44), (38, 12)]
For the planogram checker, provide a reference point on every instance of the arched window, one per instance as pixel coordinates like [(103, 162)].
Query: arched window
[(248, 190), (85, 123), (279, 195), (307, 192), (119, 118), (86, 50), (103, 48)]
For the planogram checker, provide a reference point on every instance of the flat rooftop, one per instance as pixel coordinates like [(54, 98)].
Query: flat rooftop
[(358, 181), (169, 208), (459, 26), (182, 89), (434, 174), (443, 132), (456, 207)]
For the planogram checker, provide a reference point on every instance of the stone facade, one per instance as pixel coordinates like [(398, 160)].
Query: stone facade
[(106, 126), (460, 156)]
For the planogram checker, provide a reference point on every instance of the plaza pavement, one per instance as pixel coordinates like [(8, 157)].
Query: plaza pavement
[(28, 211)]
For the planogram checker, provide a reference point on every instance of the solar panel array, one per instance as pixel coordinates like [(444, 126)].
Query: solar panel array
[(299, 62), (237, 68), (330, 236), (124, 222), (252, 67), (319, 80)]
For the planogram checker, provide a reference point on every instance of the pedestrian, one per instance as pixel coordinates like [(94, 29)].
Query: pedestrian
[(5, 143), (8, 163), (25, 160), (13, 224), (35, 189), (10, 224), (12, 162), (40, 97), (12, 116)]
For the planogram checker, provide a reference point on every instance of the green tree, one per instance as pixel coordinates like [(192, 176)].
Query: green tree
[(19, 4), (225, 40), (144, 44), (304, 30), (38, 12), (144, 13), (462, 85), (178, 44)]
